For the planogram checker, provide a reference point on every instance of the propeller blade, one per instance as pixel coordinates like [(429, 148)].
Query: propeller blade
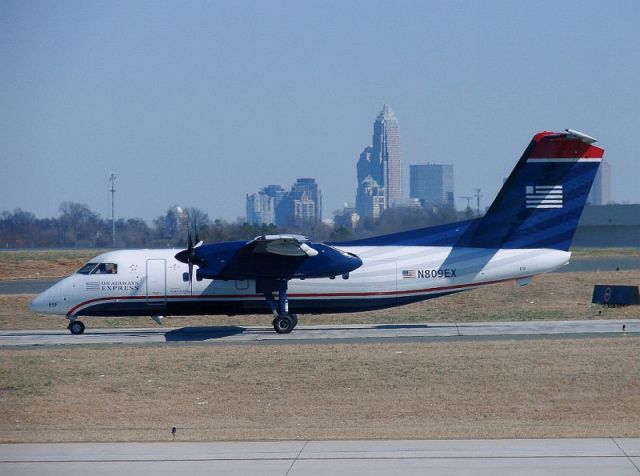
[(190, 257)]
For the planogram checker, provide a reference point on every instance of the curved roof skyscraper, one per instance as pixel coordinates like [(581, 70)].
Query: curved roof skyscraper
[(386, 152), (381, 165)]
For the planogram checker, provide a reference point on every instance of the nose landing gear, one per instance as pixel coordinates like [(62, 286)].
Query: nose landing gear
[(75, 326)]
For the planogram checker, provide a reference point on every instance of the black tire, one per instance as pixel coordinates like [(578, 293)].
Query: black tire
[(294, 318), (76, 327), (283, 324)]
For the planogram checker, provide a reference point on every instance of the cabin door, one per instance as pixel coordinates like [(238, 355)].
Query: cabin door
[(156, 282)]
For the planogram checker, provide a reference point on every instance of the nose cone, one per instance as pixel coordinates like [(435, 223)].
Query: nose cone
[(356, 262), (39, 303), (49, 301), (346, 262)]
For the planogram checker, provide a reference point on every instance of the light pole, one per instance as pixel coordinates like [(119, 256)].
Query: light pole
[(478, 195), (112, 191)]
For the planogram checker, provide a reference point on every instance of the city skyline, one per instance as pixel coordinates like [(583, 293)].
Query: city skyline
[(273, 205), (198, 103)]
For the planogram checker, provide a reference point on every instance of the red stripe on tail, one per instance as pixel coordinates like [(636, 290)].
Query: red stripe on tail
[(553, 145)]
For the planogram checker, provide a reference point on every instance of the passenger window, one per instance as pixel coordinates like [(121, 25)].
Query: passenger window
[(87, 268), (106, 268)]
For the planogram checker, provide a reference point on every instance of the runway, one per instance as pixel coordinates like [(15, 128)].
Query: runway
[(583, 457), (323, 333)]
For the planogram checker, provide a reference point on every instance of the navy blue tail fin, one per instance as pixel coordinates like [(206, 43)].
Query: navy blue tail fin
[(541, 202)]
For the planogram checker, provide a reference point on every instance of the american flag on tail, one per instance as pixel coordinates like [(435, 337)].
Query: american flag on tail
[(544, 196)]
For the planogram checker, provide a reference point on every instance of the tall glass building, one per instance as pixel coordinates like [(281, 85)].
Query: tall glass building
[(432, 184), (301, 206), (274, 205), (386, 152), (262, 206), (380, 167)]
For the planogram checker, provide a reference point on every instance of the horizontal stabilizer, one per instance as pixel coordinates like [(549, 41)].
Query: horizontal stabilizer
[(573, 134)]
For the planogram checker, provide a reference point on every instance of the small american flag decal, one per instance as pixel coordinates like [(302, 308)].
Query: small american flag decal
[(92, 286), (544, 196), (409, 274)]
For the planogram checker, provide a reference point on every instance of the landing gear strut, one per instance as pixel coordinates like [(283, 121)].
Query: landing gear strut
[(75, 326), (284, 321)]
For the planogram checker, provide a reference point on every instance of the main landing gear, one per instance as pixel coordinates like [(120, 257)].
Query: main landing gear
[(75, 326), (284, 321)]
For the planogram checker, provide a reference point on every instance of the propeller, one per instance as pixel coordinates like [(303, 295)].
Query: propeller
[(195, 227), (189, 256)]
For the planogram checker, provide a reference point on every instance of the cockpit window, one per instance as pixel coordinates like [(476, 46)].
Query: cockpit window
[(87, 268), (106, 268), (99, 268)]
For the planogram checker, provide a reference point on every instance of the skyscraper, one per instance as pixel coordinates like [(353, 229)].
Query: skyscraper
[(379, 167), (302, 205), (432, 184), (314, 194), (262, 206), (259, 209), (370, 198), (386, 152), (274, 205)]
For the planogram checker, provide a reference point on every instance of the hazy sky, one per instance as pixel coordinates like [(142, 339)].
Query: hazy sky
[(198, 103)]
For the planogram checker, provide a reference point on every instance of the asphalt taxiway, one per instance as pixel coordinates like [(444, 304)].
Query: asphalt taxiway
[(325, 333), (26, 286), (583, 457)]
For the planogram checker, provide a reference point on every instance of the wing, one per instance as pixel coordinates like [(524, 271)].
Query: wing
[(270, 257)]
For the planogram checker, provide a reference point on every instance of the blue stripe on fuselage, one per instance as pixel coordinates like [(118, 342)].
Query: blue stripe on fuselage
[(260, 306)]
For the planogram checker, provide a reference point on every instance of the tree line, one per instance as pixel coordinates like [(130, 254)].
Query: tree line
[(77, 226)]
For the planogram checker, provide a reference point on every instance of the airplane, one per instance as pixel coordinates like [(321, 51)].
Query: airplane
[(526, 231)]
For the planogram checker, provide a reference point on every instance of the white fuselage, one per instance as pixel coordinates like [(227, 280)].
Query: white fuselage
[(153, 282)]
